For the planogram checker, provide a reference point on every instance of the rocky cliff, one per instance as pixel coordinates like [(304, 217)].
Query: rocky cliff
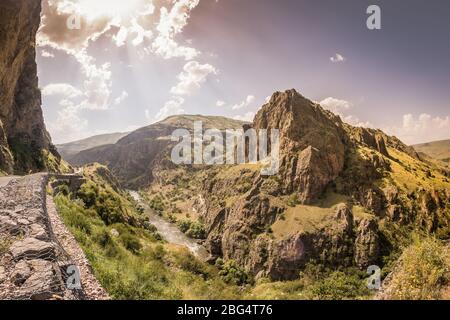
[(23, 135)]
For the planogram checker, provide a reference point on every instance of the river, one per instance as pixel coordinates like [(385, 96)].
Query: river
[(169, 231)]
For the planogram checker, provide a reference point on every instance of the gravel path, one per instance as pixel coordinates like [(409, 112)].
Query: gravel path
[(91, 286)]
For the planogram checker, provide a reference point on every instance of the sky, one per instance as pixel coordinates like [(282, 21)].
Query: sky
[(114, 66)]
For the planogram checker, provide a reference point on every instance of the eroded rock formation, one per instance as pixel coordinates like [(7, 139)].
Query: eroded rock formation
[(23, 135)]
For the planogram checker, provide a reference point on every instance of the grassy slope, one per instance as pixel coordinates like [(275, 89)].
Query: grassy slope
[(438, 149), (410, 174), (131, 261)]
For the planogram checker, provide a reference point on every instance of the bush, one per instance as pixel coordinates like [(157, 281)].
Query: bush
[(423, 270), (108, 205), (61, 189), (131, 242), (293, 200), (338, 286), (193, 229), (4, 246), (186, 261), (231, 272), (157, 204)]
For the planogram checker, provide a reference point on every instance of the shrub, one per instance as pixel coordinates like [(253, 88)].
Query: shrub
[(338, 286), (423, 270), (4, 246), (62, 189), (107, 204), (293, 200), (184, 225), (157, 204), (88, 193), (231, 272), (131, 242), (193, 229), (186, 261)]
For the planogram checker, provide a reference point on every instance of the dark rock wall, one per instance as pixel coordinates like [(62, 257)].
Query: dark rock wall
[(23, 135)]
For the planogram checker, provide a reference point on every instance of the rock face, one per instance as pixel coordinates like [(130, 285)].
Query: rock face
[(23, 135), (311, 144), (318, 152)]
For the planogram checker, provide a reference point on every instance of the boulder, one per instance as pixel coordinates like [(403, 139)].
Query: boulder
[(38, 232), (20, 273), (32, 248), (8, 225), (43, 283)]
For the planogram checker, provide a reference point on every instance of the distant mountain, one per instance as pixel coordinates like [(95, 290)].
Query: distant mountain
[(70, 149), (439, 150), (133, 157)]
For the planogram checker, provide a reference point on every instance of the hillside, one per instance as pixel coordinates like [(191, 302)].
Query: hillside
[(71, 149), (345, 197), (439, 150), (133, 158)]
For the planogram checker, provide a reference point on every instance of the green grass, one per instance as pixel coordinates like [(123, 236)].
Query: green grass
[(315, 283), (410, 174), (135, 265), (308, 218), (422, 272), (439, 150)]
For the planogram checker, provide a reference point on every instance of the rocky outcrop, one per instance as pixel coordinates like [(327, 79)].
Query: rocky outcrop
[(341, 241), (367, 244), (23, 135), (311, 144)]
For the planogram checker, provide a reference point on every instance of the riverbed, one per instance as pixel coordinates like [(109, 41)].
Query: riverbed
[(170, 231)]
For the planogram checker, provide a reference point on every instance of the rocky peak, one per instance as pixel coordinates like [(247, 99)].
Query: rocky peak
[(311, 143)]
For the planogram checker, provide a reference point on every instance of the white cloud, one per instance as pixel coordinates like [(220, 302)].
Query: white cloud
[(355, 121), (337, 58), (193, 75), (129, 22), (220, 103), (249, 116), (171, 107), (341, 107), (68, 123), (64, 89), (248, 101), (172, 23), (47, 54), (121, 98), (335, 105), (97, 85), (424, 128), (96, 18)]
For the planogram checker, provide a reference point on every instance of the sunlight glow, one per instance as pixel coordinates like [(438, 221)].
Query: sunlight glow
[(94, 9)]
